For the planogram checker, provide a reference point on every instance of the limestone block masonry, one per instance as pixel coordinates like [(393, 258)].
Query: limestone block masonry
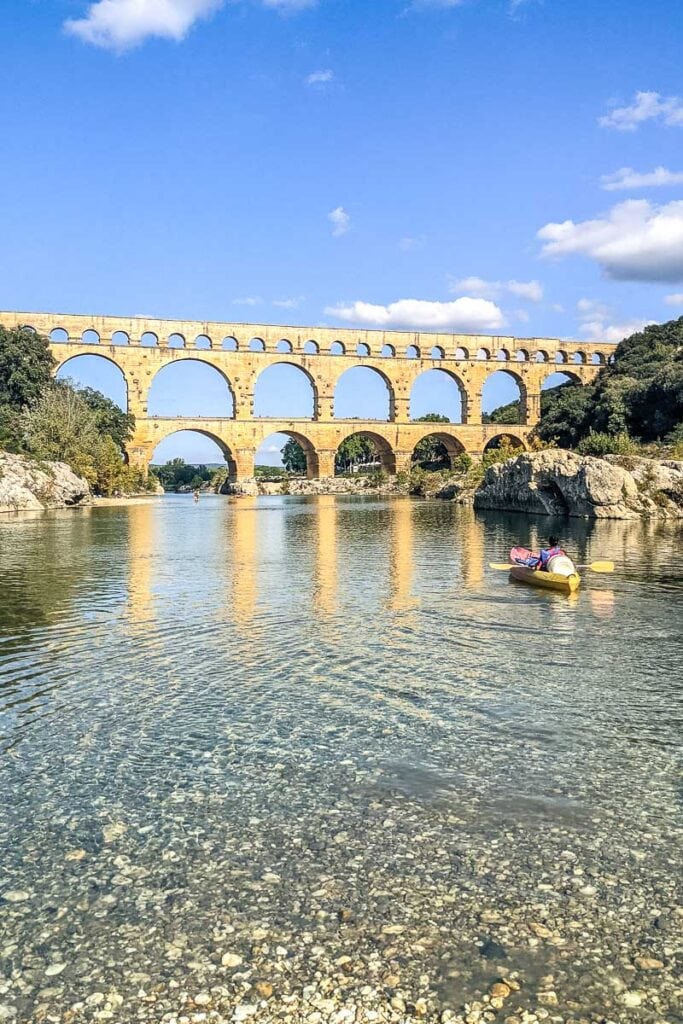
[(140, 347)]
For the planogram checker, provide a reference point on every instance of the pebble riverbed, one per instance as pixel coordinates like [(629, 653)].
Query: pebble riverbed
[(309, 760)]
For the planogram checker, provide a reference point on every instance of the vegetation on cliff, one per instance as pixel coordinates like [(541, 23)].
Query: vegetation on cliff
[(55, 420), (639, 395), (637, 398)]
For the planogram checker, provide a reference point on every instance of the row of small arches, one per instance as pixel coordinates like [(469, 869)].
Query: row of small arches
[(230, 344)]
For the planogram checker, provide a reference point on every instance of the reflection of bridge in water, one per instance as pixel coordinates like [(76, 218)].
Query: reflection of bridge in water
[(141, 347)]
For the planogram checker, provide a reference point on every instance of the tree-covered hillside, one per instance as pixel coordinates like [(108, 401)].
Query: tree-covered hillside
[(640, 394)]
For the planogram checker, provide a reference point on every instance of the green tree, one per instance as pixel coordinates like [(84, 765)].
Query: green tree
[(294, 458), (61, 426), (565, 413), (111, 473), (26, 366), (110, 419), (430, 452), (177, 474), (354, 451), (509, 414)]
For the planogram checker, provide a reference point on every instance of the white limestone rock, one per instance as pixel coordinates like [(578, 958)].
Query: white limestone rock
[(31, 485), (556, 482)]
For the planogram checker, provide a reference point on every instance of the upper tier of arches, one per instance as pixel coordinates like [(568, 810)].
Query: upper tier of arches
[(491, 350), (305, 341)]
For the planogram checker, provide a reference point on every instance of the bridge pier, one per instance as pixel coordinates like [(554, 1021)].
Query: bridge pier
[(532, 408), (326, 463), (403, 461), (241, 463)]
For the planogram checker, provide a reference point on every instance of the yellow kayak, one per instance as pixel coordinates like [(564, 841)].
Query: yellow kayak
[(566, 582), (549, 580)]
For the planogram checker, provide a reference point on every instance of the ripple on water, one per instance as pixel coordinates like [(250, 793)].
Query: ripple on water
[(328, 727)]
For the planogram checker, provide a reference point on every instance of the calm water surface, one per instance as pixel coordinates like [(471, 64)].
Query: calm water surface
[(273, 758)]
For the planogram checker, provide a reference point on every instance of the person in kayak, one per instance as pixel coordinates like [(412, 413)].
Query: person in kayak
[(543, 560)]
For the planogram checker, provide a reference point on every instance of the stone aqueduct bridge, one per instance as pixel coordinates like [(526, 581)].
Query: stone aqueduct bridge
[(140, 347)]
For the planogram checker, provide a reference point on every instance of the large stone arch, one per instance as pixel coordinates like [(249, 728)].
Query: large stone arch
[(503, 437), (453, 446), (190, 356), (522, 385), (387, 456), (452, 376), (286, 414), (562, 370), (384, 377), (173, 428), (307, 445), (61, 364)]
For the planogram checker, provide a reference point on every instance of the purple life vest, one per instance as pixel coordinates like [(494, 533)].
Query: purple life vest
[(547, 554)]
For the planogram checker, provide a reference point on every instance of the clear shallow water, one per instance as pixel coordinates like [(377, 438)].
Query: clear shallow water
[(291, 731)]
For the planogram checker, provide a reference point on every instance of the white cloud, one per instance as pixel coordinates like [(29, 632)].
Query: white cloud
[(122, 24), (248, 300), (597, 323), (634, 241), (408, 244), (463, 314), (292, 303), (646, 106), (590, 306), (532, 291), (340, 221), (674, 300), (318, 78), (600, 330), (626, 177)]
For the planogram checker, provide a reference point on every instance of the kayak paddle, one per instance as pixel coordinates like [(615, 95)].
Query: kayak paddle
[(593, 566)]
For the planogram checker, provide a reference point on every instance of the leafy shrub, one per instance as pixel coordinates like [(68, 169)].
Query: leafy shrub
[(506, 450), (598, 443), (539, 444), (462, 463)]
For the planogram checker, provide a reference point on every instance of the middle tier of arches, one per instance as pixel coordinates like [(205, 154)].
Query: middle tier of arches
[(192, 386)]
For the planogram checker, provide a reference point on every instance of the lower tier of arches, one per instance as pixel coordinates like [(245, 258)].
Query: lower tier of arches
[(395, 444)]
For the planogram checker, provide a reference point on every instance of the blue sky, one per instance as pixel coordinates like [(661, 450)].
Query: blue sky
[(512, 168)]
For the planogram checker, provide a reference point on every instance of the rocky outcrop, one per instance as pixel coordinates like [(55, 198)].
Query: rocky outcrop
[(30, 485), (556, 482)]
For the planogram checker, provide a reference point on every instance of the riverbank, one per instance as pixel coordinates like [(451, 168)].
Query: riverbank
[(551, 482)]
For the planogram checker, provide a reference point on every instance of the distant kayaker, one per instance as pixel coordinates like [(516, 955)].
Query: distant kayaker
[(543, 560)]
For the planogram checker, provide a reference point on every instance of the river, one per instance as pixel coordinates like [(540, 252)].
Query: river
[(312, 760)]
